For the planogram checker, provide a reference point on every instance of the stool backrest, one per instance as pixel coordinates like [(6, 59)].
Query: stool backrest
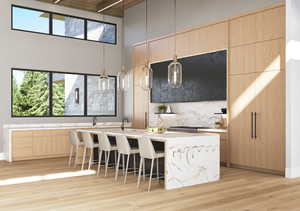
[(104, 143), (88, 139), (146, 148), (123, 144), (74, 138)]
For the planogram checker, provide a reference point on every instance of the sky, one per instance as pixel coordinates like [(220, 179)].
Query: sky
[(34, 21)]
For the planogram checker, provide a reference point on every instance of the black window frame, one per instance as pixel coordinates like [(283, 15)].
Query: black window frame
[(51, 25), (51, 94)]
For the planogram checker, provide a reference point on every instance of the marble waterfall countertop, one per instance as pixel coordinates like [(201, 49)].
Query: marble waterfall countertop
[(190, 158)]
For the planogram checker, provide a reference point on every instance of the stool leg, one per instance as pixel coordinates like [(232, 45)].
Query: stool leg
[(125, 178), (144, 171), (76, 156), (99, 162), (106, 163), (157, 169), (91, 156), (115, 152), (123, 164), (71, 155), (149, 186), (134, 166), (140, 172), (83, 159), (117, 168)]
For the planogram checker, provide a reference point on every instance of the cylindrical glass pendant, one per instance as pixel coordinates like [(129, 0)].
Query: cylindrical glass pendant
[(146, 82), (123, 80), (103, 83), (175, 74)]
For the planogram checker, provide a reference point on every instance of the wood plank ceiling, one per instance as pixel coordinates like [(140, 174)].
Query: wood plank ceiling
[(96, 5)]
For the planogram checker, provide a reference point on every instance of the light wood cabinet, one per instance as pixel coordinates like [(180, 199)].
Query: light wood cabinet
[(257, 27), (141, 97), (39, 144), (257, 120), (258, 57)]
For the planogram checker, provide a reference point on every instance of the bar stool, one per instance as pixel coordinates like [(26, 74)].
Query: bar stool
[(75, 143), (88, 144), (106, 147), (147, 152), (125, 149)]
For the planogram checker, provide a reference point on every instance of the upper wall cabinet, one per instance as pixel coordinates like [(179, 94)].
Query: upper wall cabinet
[(266, 25), (258, 57), (162, 49), (203, 40)]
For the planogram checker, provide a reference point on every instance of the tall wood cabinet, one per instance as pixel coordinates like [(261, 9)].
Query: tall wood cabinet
[(256, 75), (256, 90)]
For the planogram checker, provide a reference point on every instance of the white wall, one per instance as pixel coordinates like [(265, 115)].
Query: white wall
[(36, 51), (292, 88), (190, 13)]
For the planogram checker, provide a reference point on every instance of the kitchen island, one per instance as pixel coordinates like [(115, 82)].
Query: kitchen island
[(190, 159)]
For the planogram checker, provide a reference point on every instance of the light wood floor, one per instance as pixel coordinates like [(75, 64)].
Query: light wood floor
[(32, 185)]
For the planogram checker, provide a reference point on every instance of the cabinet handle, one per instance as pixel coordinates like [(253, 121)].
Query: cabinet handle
[(251, 125), (146, 120), (255, 115)]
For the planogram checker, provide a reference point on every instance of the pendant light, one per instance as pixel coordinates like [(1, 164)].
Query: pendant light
[(175, 67), (146, 82), (123, 75), (103, 78)]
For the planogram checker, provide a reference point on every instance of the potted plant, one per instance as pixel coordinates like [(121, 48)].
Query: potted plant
[(162, 109)]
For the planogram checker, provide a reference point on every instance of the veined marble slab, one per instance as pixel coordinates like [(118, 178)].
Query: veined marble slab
[(190, 158), (191, 161)]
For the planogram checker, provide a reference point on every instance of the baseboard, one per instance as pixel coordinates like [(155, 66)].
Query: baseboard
[(2, 156), (292, 172)]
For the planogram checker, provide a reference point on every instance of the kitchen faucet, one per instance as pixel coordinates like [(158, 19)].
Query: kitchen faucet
[(94, 121)]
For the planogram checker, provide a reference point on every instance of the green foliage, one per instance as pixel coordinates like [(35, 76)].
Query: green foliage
[(59, 98), (31, 97)]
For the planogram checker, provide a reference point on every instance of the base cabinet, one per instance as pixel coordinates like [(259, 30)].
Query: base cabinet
[(27, 145)]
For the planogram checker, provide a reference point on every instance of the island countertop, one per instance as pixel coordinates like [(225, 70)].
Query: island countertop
[(190, 158)]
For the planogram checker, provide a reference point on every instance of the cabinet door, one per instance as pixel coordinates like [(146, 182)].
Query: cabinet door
[(269, 144), (42, 143), (140, 100), (241, 102)]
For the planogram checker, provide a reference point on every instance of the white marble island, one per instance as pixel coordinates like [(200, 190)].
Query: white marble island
[(190, 159)]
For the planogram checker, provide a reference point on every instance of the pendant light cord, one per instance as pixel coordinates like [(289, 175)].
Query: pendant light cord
[(103, 48), (175, 29), (147, 44)]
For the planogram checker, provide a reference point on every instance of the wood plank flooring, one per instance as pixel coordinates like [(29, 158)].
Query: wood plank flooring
[(49, 185)]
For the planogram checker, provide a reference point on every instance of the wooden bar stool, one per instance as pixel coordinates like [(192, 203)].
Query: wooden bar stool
[(75, 143), (125, 149), (88, 145), (147, 152), (106, 147)]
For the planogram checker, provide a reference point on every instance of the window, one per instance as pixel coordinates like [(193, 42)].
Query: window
[(30, 20), (45, 22), (54, 94), (106, 98), (68, 26), (30, 93), (68, 94), (99, 31)]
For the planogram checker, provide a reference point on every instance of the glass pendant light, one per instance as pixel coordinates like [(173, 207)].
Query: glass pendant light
[(146, 82), (103, 83), (175, 67)]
